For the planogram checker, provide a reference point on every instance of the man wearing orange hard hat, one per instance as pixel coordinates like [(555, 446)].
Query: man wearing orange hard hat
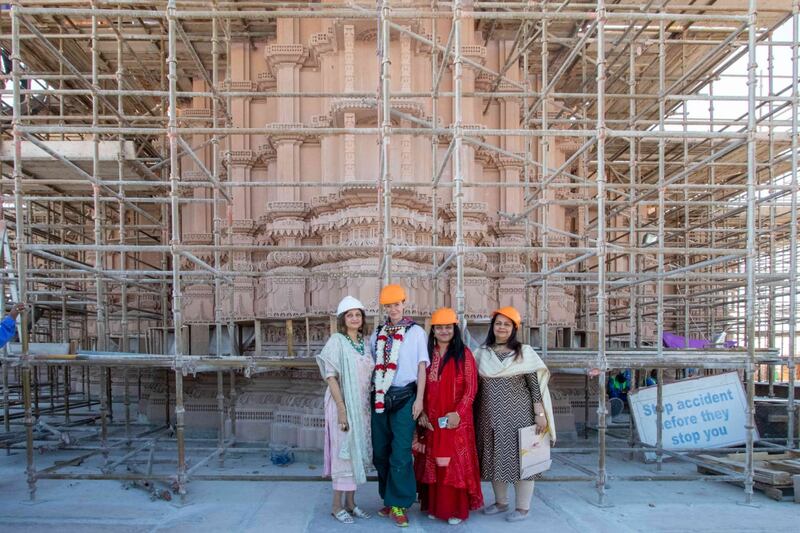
[(401, 358)]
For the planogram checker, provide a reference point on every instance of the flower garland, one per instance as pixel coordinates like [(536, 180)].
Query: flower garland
[(386, 369)]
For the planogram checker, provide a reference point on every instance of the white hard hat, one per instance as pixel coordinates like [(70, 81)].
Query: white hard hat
[(348, 303)]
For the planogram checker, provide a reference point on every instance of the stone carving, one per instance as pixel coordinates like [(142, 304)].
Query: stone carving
[(349, 59), (278, 55), (349, 148), (266, 81), (324, 42), (315, 55), (405, 63)]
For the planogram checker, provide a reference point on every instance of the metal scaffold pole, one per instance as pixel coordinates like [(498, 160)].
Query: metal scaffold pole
[(458, 155), (791, 407), (385, 133), (602, 363), (660, 213), (750, 260), (175, 239), (21, 238)]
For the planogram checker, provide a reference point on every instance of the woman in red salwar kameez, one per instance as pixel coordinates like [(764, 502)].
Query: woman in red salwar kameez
[(449, 475)]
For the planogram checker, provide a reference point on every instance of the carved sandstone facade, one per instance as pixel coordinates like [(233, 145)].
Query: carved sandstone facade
[(338, 56)]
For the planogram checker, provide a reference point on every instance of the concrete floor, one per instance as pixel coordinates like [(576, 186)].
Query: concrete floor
[(88, 506)]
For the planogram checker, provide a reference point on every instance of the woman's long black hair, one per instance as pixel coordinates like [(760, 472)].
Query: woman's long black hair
[(512, 343), (455, 348)]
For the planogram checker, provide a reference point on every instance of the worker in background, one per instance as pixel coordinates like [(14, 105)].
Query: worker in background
[(618, 387), (651, 379), (8, 327)]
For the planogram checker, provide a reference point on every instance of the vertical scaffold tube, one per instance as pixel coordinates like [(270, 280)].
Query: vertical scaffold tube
[(458, 176), (19, 215), (601, 251), (385, 137), (750, 258), (790, 404), (172, 76)]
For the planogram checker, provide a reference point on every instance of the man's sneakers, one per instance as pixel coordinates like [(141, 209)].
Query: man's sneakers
[(398, 514)]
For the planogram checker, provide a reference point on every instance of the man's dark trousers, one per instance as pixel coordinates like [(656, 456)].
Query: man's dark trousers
[(391, 449)]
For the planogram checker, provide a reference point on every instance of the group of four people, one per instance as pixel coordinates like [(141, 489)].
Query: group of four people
[(434, 413)]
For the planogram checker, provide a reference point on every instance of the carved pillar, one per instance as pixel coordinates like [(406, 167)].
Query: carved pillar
[(349, 59), (324, 46), (469, 114), (349, 173), (511, 198), (284, 60), (241, 232), (196, 217), (406, 157), (285, 289)]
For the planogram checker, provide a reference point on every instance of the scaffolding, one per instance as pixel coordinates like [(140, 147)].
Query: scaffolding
[(707, 213)]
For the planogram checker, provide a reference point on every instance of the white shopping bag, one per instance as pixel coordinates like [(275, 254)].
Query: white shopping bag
[(534, 452)]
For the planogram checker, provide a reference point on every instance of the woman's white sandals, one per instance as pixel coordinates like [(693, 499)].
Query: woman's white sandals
[(358, 512), (343, 517), (454, 521)]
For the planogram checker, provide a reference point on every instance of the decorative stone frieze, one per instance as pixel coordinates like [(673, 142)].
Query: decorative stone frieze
[(266, 81), (505, 162), (483, 81), (286, 219), (266, 153), (485, 157), (240, 158), (368, 35), (475, 53), (197, 238), (280, 137), (321, 121), (349, 148), (194, 117), (278, 55), (242, 227), (349, 58), (198, 304), (324, 42), (240, 86), (405, 63)]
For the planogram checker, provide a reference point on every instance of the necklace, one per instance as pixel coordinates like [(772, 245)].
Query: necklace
[(358, 345)]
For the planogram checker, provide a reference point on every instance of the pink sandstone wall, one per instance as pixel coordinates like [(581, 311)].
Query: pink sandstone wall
[(340, 56)]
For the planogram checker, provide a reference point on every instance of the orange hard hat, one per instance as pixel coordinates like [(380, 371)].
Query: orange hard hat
[(443, 316), (392, 294), (510, 313)]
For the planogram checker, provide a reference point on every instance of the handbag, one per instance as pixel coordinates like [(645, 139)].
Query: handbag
[(534, 452), (396, 397)]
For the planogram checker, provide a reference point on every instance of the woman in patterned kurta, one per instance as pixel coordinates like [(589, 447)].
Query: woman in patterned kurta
[(447, 470), (508, 405), (512, 395)]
